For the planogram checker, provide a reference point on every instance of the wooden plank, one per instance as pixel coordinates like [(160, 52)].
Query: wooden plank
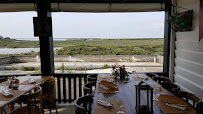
[(190, 66), (64, 89), (187, 84), (192, 76), (80, 87), (69, 89), (196, 57), (75, 86), (193, 46), (59, 89)]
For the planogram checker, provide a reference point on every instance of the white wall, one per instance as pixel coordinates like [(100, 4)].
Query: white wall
[(188, 53)]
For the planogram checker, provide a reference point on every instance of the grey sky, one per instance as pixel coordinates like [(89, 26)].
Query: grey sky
[(87, 25)]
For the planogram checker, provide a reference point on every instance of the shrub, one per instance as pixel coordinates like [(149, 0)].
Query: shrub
[(10, 68), (62, 68), (24, 68), (105, 66)]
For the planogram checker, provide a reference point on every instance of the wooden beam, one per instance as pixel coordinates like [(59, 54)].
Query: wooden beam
[(45, 39), (167, 32)]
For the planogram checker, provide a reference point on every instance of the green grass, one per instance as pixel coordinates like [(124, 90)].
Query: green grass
[(145, 46), (27, 68)]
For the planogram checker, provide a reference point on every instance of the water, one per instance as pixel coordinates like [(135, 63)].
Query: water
[(20, 50)]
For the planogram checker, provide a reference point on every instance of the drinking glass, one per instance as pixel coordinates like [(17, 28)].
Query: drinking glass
[(121, 105), (156, 91), (28, 75), (5, 86)]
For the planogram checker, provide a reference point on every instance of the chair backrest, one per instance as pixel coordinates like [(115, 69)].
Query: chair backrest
[(3, 79), (191, 99), (161, 79), (88, 87), (35, 99), (83, 104), (92, 77), (173, 88), (151, 75)]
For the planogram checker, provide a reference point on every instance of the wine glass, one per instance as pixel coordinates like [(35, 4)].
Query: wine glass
[(121, 105), (156, 91)]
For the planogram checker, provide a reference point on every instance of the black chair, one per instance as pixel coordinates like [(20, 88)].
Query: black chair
[(92, 78), (193, 100), (161, 79), (88, 88), (83, 104), (173, 88)]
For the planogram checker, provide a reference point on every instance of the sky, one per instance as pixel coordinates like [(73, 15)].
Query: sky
[(87, 25)]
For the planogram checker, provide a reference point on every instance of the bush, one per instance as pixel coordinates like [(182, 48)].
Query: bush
[(10, 68), (62, 68), (105, 66), (24, 68)]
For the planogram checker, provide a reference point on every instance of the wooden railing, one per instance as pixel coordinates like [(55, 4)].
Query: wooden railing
[(69, 86)]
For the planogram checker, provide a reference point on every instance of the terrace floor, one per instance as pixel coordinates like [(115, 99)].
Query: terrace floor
[(61, 108)]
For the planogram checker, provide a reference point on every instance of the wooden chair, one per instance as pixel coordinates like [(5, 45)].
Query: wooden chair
[(49, 94), (88, 88), (33, 101), (161, 79), (83, 104), (92, 77), (151, 75), (193, 100), (173, 88)]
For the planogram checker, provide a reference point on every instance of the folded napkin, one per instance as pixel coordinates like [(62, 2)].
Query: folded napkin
[(178, 106), (30, 80), (102, 76), (104, 87), (105, 103), (7, 93)]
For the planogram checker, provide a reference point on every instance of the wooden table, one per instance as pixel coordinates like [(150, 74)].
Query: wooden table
[(24, 87), (127, 94)]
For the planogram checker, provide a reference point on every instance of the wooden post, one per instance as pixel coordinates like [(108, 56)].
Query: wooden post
[(43, 29), (167, 32)]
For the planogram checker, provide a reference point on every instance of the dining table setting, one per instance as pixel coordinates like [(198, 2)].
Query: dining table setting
[(13, 88), (120, 96)]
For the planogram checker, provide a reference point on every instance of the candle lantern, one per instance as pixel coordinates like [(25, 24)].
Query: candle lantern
[(144, 98)]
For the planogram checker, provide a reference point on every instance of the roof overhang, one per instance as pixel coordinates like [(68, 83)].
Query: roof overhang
[(85, 5)]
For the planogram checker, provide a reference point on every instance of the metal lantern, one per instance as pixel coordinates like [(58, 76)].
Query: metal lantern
[(144, 98)]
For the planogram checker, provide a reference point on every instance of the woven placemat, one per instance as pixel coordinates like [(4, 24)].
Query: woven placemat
[(108, 77), (104, 110), (115, 90), (14, 92), (138, 79), (161, 103), (28, 83)]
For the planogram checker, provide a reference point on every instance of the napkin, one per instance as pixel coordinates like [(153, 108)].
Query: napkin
[(7, 93), (30, 80), (105, 103), (178, 106), (104, 87), (102, 76)]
